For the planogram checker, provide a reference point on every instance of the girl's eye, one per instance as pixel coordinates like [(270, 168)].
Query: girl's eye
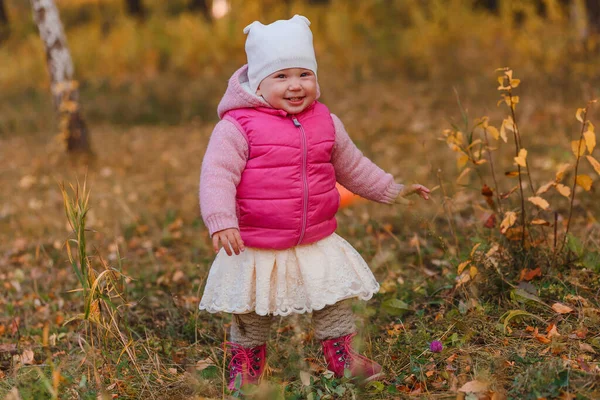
[(280, 76), (305, 74)]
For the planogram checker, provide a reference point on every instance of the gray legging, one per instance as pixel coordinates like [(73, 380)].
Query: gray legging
[(251, 330)]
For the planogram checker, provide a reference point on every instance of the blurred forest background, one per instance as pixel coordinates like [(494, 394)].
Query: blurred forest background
[(99, 294)]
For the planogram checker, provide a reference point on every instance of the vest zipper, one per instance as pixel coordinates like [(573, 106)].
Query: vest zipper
[(304, 179)]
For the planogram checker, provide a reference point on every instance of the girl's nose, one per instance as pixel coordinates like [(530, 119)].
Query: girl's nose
[(294, 85)]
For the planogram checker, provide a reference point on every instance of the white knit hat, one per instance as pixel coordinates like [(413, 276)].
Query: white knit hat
[(280, 45)]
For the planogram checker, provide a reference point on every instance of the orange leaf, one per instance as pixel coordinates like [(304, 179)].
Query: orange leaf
[(561, 171), (521, 159), (564, 190), (510, 217), (578, 147), (544, 188), (594, 163), (585, 182), (539, 221), (561, 308), (590, 140), (529, 274), (540, 202)]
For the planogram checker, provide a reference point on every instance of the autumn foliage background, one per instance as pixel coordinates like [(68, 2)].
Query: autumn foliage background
[(416, 83)]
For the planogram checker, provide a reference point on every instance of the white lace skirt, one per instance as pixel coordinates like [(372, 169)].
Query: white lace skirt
[(281, 282)]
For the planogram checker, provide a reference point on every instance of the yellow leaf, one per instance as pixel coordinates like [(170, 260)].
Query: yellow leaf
[(521, 159), (493, 131), (579, 114), (515, 99), (510, 125), (539, 221), (515, 82), (594, 163), (590, 126), (590, 140), (540, 202), (561, 308), (508, 73), (473, 271), (564, 190), (503, 133), (510, 217), (585, 182), (578, 148), (561, 171), (463, 174), (462, 161), (501, 80), (462, 266), (544, 188), (479, 162), (474, 249)]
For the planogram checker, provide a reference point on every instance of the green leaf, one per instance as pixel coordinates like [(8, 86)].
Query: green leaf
[(375, 387), (516, 313), (522, 296), (395, 307)]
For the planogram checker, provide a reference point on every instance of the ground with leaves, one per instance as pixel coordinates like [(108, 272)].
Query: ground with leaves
[(514, 323)]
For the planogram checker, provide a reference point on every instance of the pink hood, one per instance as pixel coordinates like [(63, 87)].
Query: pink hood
[(238, 94)]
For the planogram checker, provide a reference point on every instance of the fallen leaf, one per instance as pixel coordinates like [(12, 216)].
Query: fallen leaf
[(490, 222), (529, 274), (561, 308), (305, 378), (27, 358), (587, 348), (474, 387), (203, 364)]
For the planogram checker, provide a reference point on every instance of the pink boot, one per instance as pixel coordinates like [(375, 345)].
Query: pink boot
[(340, 355), (249, 362)]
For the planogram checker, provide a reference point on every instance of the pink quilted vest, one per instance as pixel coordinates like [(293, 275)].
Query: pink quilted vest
[(287, 195)]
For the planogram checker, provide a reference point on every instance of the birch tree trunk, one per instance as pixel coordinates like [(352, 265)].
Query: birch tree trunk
[(65, 90)]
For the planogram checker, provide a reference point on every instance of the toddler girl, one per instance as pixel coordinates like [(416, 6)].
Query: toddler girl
[(268, 197)]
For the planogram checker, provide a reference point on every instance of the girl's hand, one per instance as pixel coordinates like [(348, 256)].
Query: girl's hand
[(411, 189), (230, 239)]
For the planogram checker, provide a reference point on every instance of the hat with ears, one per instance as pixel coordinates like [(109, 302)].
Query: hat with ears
[(279, 45)]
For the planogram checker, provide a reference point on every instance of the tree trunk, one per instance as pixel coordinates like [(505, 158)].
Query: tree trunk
[(4, 25), (202, 6), (65, 90), (593, 14), (135, 8)]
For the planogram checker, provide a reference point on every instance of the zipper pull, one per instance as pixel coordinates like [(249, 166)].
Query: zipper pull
[(296, 123)]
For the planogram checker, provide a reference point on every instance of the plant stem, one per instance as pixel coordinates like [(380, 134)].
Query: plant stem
[(575, 179), (447, 211), (487, 144)]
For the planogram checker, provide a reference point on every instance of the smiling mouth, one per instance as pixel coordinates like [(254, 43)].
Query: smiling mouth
[(294, 99)]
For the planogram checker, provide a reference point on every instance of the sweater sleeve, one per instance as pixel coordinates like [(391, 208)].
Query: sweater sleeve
[(222, 167), (359, 174)]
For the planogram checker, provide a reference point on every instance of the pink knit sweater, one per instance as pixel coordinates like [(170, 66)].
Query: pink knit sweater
[(227, 153)]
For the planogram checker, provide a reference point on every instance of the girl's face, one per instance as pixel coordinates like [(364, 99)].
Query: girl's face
[(291, 89)]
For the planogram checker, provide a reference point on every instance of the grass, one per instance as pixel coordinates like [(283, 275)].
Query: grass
[(143, 219)]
